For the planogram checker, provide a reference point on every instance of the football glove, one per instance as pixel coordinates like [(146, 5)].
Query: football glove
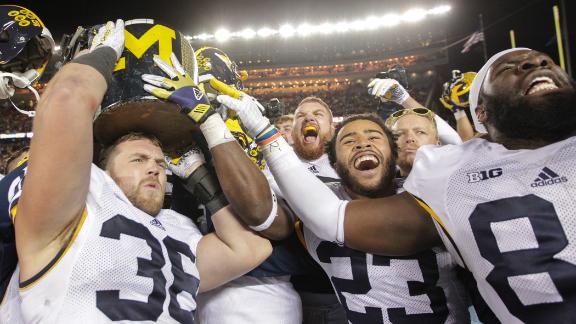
[(183, 166), (388, 90), (179, 88), (250, 112), (111, 35)]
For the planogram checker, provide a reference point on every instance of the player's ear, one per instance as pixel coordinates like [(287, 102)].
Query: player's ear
[(481, 113)]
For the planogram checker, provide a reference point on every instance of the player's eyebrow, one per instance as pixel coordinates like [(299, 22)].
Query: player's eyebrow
[(366, 131)]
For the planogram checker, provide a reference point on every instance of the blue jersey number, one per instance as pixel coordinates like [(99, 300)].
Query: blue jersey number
[(534, 283), (109, 302), (360, 285)]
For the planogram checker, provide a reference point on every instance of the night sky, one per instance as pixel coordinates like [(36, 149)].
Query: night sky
[(531, 19)]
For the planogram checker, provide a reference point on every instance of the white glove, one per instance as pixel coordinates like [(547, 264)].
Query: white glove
[(111, 35), (249, 111), (205, 78), (388, 90), (221, 110), (187, 163)]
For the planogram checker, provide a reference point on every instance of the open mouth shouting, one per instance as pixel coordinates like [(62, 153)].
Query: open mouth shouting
[(540, 85), (366, 163), (310, 133)]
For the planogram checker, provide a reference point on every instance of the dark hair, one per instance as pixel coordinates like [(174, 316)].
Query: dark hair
[(331, 145), (105, 152)]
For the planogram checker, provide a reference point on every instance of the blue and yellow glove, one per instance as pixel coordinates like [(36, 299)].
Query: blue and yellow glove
[(179, 88)]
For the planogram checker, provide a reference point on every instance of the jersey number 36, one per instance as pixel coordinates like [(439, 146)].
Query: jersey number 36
[(117, 309)]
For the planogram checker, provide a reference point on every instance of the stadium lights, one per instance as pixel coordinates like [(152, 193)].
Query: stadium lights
[(391, 20), (248, 33), (222, 35), (439, 10), (287, 31), (265, 32), (414, 15), (305, 29)]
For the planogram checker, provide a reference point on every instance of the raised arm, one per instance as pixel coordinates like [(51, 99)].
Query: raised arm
[(244, 185), (233, 249), (390, 226), (392, 90), (395, 225), (248, 191), (58, 175)]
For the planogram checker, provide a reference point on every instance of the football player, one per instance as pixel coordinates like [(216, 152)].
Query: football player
[(312, 129), (382, 289), (259, 209), (379, 289), (412, 128), (100, 236), (502, 206), (265, 295)]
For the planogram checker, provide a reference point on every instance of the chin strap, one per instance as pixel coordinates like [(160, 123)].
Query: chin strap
[(20, 80)]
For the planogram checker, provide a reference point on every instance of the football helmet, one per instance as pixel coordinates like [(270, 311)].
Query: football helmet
[(26, 45), (215, 62), (455, 92)]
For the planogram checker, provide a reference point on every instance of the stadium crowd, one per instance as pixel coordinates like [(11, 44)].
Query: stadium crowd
[(390, 215), (300, 71)]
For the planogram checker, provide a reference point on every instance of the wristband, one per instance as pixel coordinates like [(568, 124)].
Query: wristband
[(215, 131), (102, 59), (273, 213), (268, 135)]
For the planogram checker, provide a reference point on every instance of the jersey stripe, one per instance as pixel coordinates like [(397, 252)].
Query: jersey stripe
[(439, 221), (13, 212), (30, 282), (299, 228)]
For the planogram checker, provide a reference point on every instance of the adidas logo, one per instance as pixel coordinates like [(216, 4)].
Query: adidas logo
[(198, 93), (547, 177), (157, 223), (313, 169)]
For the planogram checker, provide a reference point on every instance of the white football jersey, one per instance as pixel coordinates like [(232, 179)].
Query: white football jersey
[(120, 265), (509, 216), (322, 169), (420, 288), (252, 300)]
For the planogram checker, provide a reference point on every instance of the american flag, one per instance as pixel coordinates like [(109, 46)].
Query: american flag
[(475, 38)]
